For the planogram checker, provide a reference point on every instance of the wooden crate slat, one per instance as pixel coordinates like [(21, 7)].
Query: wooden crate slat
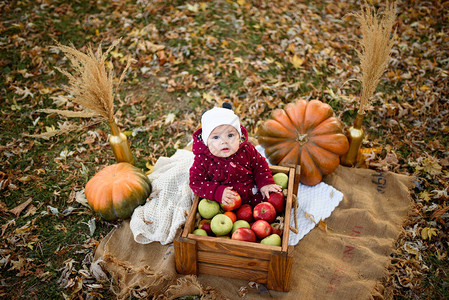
[(185, 256), (233, 247), (233, 272), (281, 169), (190, 222), (288, 209), (279, 270), (253, 263)]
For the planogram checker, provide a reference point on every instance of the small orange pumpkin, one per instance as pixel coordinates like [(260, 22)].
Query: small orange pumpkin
[(304, 133), (117, 190)]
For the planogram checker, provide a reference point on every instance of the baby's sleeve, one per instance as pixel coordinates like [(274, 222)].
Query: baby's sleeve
[(202, 184)]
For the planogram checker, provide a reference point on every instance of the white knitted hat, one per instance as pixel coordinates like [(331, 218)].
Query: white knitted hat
[(218, 116)]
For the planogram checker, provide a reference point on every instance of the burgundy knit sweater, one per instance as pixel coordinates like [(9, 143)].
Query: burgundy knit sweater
[(245, 169)]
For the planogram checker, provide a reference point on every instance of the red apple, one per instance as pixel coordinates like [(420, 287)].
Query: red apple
[(278, 201), (276, 228), (264, 211), (261, 228), (205, 224), (244, 234), (234, 205), (245, 212)]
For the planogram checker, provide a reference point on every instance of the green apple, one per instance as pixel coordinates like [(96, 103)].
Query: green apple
[(273, 239), (200, 231), (240, 223), (208, 208), (281, 179), (221, 224)]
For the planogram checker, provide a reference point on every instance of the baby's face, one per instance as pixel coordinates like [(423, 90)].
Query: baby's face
[(223, 141)]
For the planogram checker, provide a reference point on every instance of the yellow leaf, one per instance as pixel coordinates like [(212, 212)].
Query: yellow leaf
[(150, 168), (207, 97), (45, 91), (203, 6), (424, 232), (297, 61), (291, 48), (411, 248), (433, 232), (367, 154), (170, 118), (193, 8), (24, 179), (241, 2), (116, 54), (431, 166), (29, 245), (427, 233), (322, 225), (441, 256), (424, 196), (109, 65), (25, 228)]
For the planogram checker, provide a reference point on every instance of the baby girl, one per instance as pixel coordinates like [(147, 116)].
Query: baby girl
[(226, 161)]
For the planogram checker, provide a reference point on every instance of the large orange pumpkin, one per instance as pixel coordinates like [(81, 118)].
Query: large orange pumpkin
[(304, 133), (117, 190)]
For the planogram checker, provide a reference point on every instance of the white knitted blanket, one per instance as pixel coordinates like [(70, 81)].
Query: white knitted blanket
[(170, 201)]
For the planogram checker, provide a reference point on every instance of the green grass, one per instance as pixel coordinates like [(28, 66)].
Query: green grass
[(436, 283)]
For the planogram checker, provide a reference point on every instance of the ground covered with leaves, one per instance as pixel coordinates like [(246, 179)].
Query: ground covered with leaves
[(189, 57)]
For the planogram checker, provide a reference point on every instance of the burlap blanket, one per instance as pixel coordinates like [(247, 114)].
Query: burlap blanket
[(343, 262)]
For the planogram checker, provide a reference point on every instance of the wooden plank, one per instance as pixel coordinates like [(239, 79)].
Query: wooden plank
[(279, 270), (288, 271), (288, 209), (233, 247), (238, 273), (279, 169), (233, 260), (190, 223), (297, 169), (185, 256)]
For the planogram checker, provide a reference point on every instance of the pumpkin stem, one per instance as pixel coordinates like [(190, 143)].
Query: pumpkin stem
[(302, 138)]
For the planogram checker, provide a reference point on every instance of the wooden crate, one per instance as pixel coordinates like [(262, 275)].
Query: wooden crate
[(266, 264)]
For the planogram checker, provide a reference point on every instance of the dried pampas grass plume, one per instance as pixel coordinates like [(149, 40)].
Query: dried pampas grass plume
[(90, 85), (376, 44)]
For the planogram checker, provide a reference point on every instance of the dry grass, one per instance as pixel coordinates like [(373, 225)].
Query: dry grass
[(90, 85), (377, 41)]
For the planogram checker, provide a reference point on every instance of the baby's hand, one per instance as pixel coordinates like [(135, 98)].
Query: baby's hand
[(228, 196), (270, 188)]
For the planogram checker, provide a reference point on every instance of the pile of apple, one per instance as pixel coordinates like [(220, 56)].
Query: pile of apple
[(242, 222)]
